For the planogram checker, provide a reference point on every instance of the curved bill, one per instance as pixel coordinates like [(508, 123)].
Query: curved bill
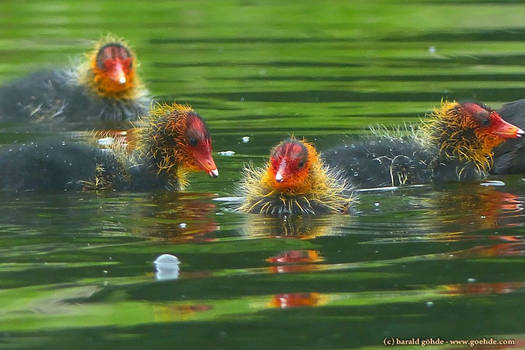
[(207, 164), (507, 130), (118, 74), (279, 175)]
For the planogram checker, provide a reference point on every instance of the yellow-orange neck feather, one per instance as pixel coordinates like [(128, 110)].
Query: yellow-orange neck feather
[(457, 137)]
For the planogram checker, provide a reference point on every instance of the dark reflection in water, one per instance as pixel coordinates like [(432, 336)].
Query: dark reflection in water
[(296, 256), (303, 227), (251, 40), (499, 35), (463, 61), (325, 96), (472, 207), (389, 77), (177, 217), (485, 288), (305, 64), (285, 301), (495, 250)]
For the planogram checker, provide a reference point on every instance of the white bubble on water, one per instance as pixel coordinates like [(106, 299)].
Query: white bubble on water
[(226, 153), (496, 183), (167, 267), (106, 141)]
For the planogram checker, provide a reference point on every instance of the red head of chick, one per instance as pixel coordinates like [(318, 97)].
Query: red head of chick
[(175, 140), (111, 70), (466, 131), (295, 182)]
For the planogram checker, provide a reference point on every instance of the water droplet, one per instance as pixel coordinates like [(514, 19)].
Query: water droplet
[(182, 225), (227, 153), (167, 267), (246, 139), (106, 141), (496, 183)]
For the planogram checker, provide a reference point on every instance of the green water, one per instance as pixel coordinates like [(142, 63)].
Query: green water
[(76, 270)]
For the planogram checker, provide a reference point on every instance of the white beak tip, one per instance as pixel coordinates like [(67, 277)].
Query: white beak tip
[(520, 133), (214, 173), (278, 177), (122, 80)]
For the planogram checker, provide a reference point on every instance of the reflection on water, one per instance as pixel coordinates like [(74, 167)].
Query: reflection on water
[(303, 227), (411, 247), (296, 256), (178, 217), (477, 206), (285, 301), (168, 313), (496, 250), (485, 288)]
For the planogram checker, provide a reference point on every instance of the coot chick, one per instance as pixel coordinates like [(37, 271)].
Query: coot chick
[(172, 141), (294, 182), (453, 143), (104, 87)]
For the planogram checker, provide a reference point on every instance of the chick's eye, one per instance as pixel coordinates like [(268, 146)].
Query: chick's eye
[(485, 122), (301, 164), (130, 65), (193, 142)]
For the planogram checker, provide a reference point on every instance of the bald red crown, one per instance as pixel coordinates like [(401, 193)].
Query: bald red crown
[(112, 52), (487, 121), (289, 164), (199, 144)]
